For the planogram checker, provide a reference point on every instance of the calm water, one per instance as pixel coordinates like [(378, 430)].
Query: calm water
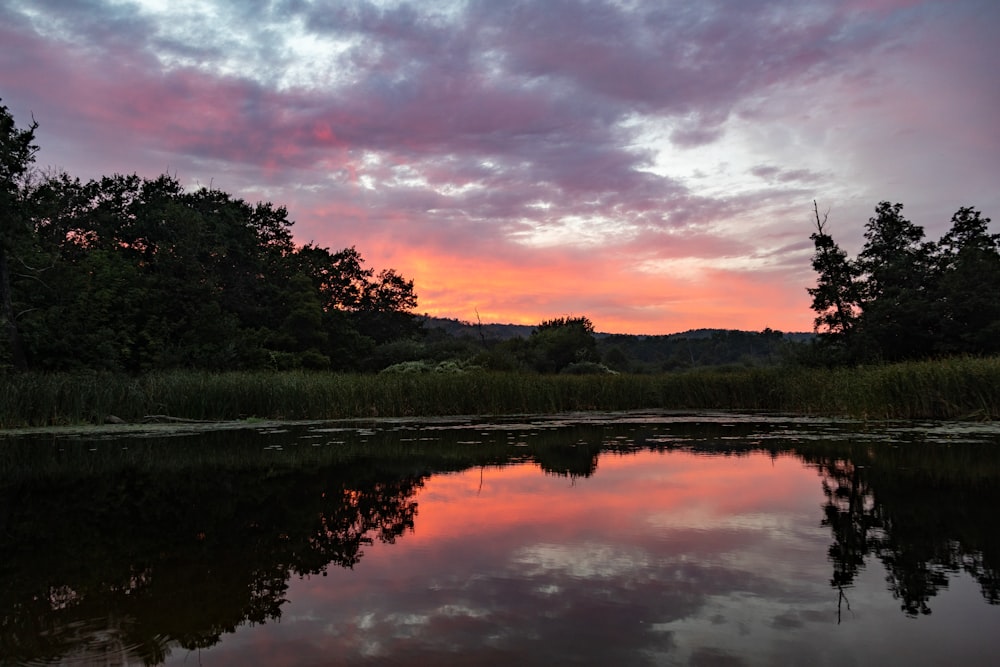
[(625, 539)]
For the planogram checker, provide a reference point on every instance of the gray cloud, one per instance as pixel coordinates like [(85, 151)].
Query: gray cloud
[(482, 125)]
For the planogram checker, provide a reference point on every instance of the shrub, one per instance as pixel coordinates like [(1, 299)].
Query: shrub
[(587, 368)]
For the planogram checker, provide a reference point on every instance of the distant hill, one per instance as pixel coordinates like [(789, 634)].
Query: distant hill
[(498, 332), (642, 353), (794, 336), (489, 332)]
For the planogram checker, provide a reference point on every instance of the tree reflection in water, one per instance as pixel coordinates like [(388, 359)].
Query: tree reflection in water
[(139, 552), (136, 561), (925, 512)]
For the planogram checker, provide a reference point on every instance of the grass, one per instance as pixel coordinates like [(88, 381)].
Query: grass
[(959, 388)]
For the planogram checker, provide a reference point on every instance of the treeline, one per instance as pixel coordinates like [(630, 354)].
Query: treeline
[(700, 348), (133, 274), (517, 347), (905, 298)]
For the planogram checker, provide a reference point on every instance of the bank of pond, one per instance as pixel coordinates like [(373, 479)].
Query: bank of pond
[(956, 388)]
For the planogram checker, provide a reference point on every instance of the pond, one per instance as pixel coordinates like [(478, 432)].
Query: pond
[(592, 539)]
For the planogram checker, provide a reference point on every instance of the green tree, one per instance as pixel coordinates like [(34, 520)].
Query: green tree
[(836, 296), (361, 309), (17, 154), (559, 342), (904, 298), (144, 275), (301, 334), (386, 311), (151, 276), (967, 288), (898, 312), (86, 314), (146, 270)]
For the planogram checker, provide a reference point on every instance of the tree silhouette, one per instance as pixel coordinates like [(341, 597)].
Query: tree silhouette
[(17, 153), (836, 296), (904, 298), (183, 557)]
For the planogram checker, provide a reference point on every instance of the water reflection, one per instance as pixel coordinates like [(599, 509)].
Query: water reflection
[(923, 519), (591, 539)]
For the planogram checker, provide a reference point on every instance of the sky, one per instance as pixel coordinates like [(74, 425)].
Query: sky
[(651, 165)]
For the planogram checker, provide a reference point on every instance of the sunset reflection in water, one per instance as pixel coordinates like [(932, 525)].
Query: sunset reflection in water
[(656, 558)]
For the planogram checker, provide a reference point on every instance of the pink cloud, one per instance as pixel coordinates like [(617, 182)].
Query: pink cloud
[(502, 118)]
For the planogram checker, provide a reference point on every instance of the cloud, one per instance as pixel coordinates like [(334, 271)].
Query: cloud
[(502, 135)]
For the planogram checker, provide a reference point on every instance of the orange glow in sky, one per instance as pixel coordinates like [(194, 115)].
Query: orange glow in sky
[(617, 297), (650, 167)]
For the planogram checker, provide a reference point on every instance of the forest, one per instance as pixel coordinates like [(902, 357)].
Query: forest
[(134, 274)]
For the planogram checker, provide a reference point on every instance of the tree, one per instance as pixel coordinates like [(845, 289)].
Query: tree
[(301, 334), (386, 310), (903, 298), (836, 296), (17, 153), (898, 311), (141, 275), (147, 276), (967, 285), (361, 309), (559, 342), (341, 278)]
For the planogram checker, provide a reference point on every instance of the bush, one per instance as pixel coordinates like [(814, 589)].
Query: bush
[(407, 368), (426, 366), (587, 368)]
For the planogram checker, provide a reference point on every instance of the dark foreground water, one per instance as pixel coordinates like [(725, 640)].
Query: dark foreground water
[(623, 539)]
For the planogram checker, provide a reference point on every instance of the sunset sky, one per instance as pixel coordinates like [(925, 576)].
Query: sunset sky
[(648, 164)]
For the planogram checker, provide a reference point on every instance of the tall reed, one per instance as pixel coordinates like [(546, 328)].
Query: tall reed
[(947, 389)]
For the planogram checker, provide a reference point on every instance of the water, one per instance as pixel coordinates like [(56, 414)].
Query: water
[(632, 539)]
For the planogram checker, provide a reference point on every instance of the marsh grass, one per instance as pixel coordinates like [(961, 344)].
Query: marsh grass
[(960, 388)]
